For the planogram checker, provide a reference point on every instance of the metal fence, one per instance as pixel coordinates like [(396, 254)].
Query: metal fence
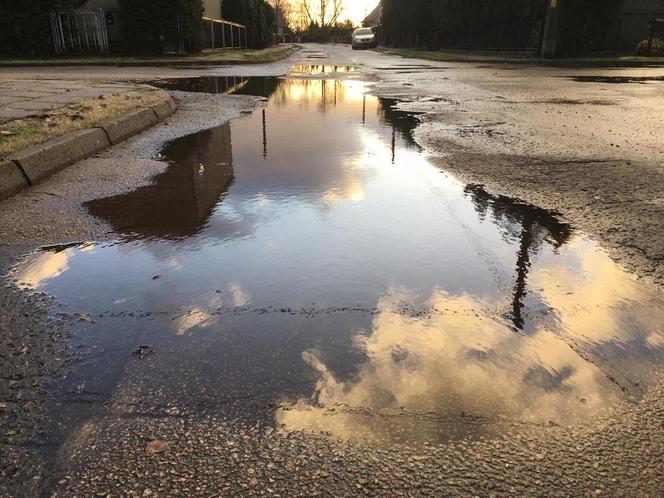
[(79, 32), (218, 33)]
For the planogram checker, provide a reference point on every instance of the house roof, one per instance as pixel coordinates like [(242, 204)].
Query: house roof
[(374, 18)]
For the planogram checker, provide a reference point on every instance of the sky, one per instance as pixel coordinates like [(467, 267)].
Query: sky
[(357, 10)]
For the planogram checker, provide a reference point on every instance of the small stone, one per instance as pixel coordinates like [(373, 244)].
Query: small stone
[(156, 446)]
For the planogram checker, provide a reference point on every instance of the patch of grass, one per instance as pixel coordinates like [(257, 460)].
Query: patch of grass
[(228, 55), (467, 56), (437, 55), (270, 54), (21, 133)]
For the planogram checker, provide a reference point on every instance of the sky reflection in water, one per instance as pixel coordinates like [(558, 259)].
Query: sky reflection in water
[(311, 245)]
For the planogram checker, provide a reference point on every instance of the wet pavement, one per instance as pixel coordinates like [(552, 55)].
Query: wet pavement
[(308, 263), (303, 301)]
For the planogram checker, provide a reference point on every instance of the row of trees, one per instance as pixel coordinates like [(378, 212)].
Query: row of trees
[(150, 25), (507, 24), (315, 20), (259, 16), (25, 25), (154, 24)]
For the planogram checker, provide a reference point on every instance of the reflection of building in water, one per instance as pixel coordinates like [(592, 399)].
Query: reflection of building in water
[(180, 201), (532, 226), (223, 85)]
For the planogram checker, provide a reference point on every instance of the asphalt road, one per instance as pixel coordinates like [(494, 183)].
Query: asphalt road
[(590, 149)]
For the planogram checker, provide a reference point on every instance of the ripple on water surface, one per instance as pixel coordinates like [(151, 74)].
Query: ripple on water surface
[(306, 265)]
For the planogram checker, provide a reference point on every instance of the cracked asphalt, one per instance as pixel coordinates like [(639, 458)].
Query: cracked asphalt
[(592, 151)]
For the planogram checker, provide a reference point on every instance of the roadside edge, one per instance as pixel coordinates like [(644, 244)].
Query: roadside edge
[(36, 163)]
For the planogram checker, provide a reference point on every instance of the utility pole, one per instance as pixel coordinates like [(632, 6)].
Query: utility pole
[(551, 32)]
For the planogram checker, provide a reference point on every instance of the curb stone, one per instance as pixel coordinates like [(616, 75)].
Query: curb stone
[(12, 179), (154, 63), (129, 125), (43, 160), (36, 163), (163, 110)]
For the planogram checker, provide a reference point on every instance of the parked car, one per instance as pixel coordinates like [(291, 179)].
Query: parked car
[(364, 37)]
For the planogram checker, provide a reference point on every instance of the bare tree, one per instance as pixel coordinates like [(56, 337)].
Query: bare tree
[(337, 10), (327, 13)]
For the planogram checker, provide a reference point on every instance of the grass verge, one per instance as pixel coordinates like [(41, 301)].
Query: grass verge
[(484, 57), (21, 133), (207, 57)]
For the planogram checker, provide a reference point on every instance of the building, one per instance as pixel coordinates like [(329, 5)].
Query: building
[(375, 18)]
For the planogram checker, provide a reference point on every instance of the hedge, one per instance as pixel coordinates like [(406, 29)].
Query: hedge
[(259, 17), (657, 47), (159, 25), (585, 24), (25, 26)]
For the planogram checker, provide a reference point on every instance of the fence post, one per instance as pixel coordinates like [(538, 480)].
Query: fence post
[(62, 32), (246, 44), (56, 32), (549, 46)]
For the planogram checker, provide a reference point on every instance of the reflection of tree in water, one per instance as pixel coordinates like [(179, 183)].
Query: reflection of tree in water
[(402, 123), (530, 225), (179, 201), (261, 87)]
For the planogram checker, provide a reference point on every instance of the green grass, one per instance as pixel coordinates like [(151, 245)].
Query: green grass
[(221, 56)]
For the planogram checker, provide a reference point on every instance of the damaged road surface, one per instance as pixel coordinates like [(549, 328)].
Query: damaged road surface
[(301, 302)]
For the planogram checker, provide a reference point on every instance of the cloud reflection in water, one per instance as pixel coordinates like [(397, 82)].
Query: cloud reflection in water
[(464, 362)]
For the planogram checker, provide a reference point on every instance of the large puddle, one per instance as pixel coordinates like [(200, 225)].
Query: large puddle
[(306, 266)]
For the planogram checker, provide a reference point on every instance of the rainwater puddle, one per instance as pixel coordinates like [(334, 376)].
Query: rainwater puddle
[(617, 79), (226, 85), (306, 266)]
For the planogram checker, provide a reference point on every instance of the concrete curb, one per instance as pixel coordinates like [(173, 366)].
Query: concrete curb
[(122, 128), (43, 160), (36, 163), (165, 62), (12, 178)]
